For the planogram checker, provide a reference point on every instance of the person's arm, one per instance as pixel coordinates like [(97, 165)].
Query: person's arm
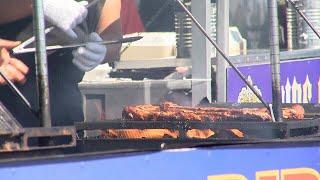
[(64, 14), (109, 28), (11, 10)]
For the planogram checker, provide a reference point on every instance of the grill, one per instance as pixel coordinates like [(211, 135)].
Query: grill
[(253, 129)]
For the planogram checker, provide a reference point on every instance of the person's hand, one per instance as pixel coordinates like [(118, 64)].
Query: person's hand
[(14, 69), (65, 14), (88, 57), (182, 70)]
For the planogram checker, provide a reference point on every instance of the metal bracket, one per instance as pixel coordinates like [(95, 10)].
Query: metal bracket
[(45, 138), (39, 139)]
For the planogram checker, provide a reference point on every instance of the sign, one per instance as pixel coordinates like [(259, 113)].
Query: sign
[(300, 82), (246, 162), (284, 174)]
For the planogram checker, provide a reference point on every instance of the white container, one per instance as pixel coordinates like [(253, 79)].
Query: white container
[(153, 45)]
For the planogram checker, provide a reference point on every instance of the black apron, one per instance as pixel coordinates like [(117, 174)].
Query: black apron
[(64, 76)]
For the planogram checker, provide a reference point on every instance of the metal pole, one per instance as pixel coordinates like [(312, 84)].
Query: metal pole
[(223, 42), (275, 59), (201, 52), (305, 18), (41, 64), (222, 54)]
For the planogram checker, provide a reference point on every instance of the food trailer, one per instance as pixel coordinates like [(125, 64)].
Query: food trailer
[(131, 131)]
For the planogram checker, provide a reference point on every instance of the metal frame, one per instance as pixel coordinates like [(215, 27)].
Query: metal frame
[(205, 33), (253, 129), (275, 59), (201, 52), (223, 42)]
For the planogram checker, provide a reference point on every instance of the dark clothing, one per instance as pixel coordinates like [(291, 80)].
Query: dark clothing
[(164, 22), (64, 76)]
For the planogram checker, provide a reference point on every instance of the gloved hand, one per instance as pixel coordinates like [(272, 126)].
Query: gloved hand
[(65, 14), (88, 57)]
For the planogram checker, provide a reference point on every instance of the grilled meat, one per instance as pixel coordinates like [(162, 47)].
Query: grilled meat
[(237, 133), (140, 134), (171, 111), (155, 134), (295, 112), (200, 134), (141, 112)]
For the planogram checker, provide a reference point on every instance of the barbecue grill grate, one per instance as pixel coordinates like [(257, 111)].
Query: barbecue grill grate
[(252, 129)]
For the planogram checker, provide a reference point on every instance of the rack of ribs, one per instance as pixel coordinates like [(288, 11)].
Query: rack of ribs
[(171, 111), (155, 133)]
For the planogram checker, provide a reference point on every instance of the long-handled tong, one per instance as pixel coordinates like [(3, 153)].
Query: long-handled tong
[(19, 50)]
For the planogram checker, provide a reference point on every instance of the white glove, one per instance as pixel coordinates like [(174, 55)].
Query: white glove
[(88, 57), (65, 14)]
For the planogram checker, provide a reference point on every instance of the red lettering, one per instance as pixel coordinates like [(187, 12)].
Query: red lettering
[(300, 174)]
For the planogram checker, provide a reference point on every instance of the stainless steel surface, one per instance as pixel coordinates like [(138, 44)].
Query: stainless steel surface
[(275, 60), (183, 28), (222, 53), (310, 13), (223, 43), (201, 50), (159, 63), (293, 24), (41, 64)]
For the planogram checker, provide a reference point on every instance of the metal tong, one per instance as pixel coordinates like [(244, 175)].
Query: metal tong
[(22, 50)]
